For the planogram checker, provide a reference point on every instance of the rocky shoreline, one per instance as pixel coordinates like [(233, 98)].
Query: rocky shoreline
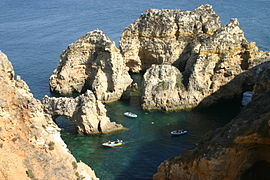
[(86, 112), (189, 60), (240, 150), (30, 142)]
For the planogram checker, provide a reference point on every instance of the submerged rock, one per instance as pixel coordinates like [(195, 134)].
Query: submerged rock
[(30, 142), (85, 111), (239, 150), (165, 36), (92, 62)]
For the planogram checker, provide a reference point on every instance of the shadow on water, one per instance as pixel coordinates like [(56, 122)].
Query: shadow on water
[(65, 124)]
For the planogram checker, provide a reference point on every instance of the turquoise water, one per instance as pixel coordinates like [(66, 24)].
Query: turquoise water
[(147, 141), (33, 33)]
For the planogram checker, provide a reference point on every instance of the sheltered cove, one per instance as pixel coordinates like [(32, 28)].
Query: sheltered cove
[(189, 59)]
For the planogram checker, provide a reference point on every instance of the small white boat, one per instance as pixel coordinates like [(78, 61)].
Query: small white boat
[(130, 114), (113, 143), (178, 132)]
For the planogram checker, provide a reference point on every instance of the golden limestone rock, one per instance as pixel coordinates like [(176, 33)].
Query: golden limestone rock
[(239, 150), (207, 62), (93, 62), (30, 142), (86, 112), (161, 36)]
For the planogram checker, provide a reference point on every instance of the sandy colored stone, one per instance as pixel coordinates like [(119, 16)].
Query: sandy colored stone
[(93, 62), (163, 88), (212, 63), (30, 142), (86, 112), (228, 152), (162, 36)]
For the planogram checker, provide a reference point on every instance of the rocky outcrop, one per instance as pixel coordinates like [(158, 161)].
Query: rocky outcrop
[(240, 150), (163, 88), (211, 62), (87, 113), (165, 36), (92, 62), (30, 142)]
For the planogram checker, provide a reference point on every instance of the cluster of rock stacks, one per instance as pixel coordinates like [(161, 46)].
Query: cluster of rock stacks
[(87, 113), (240, 150), (189, 59), (206, 55), (30, 142), (91, 63), (201, 54)]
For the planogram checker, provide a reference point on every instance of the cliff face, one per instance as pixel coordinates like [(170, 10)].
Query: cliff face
[(30, 142), (92, 62), (87, 113), (161, 36), (163, 87), (208, 62), (240, 150)]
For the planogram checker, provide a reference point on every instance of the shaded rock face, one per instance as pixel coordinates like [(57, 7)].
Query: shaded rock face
[(163, 36), (235, 151), (210, 62), (30, 143), (87, 113), (92, 62)]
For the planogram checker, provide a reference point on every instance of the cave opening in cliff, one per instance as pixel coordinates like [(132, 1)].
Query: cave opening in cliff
[(260, 170), (65, 124)]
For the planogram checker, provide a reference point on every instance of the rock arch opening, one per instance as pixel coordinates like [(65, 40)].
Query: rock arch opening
[(64, 123)]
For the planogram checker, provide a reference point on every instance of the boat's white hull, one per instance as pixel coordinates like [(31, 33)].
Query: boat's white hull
[(175, 133), (112, 144), (128, 114)]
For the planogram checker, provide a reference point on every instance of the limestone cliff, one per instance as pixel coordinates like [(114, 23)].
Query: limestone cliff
[(208, 63), (164, 36), (87, 113), (163, 88), (92, 62), (240, 150), (30, 142)]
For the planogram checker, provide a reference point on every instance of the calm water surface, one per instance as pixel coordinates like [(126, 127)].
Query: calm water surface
[(33, 33)]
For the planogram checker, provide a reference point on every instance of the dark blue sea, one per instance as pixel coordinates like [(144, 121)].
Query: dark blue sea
[(33, 34)]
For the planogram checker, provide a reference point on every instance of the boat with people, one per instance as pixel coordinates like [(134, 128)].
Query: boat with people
[(130, 114), (113, 143), (178, 132)]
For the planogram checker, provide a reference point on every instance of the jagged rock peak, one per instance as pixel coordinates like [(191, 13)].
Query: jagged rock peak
[(92, 62), (161, 36), (86, 112), (30, 145)]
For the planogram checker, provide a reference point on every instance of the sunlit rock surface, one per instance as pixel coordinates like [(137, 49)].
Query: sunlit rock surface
[(209, 61), (163, 36), (92, 62), (30, 142), (86, 112), (239, 150), (163, 88)]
